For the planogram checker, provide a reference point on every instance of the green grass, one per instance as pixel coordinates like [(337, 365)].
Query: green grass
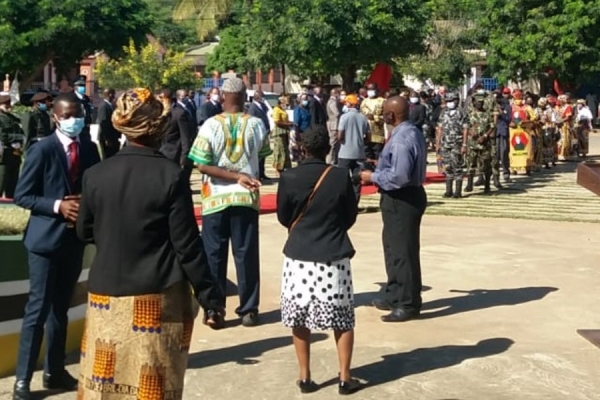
[(13, 220)]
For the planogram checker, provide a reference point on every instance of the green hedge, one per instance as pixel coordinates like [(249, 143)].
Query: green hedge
[(13, 220)]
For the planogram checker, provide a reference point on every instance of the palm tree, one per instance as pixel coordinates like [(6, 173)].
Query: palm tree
[(206, 13)]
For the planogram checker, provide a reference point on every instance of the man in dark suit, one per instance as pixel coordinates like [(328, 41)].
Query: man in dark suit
[(180, 133), (212, 106), (49, 186), (88, 107), (259, 110), (316, 106), (417, 111), (108, 136)]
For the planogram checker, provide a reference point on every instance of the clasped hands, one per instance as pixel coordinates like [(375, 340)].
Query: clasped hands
[(248, 182), (69, 207)]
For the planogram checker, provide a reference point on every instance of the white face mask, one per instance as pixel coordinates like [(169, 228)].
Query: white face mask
[(451, 105), (216, 98), (345, 109), (414, 100), (342, 97), (371, 93)]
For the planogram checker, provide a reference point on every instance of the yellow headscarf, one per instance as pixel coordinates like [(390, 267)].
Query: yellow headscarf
[(139, 114)]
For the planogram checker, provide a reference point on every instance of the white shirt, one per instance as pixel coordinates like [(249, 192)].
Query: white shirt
[(584, 113), (65, 141)]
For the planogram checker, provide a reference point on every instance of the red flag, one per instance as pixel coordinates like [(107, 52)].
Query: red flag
[(381, 76)]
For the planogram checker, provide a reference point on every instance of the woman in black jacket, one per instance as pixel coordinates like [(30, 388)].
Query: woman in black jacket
[(317, 204)]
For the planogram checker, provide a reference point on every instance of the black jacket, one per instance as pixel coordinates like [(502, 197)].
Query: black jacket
[(208, 110), (318, 113), (321, 235), (137, 208), (179, 136), (417, 115), (36, 125), (260, 112), (106, 130)]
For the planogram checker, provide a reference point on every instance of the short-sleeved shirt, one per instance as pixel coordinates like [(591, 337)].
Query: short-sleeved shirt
[(235, 143), (452, 124), (355, 127)]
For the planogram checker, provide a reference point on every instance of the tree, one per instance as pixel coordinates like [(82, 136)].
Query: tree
[(529, 37), (207, 14), (232, 51), (146, 67), (327, 37), (175, 35), (34, 32)]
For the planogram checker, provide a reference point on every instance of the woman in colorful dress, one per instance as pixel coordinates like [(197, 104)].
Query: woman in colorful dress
[(547, 119), (317, 204), (149, 265), (281, 135), (564, 121)]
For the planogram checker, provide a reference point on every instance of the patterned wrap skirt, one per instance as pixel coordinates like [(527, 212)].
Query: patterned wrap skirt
[(136, 347), (317, 295)]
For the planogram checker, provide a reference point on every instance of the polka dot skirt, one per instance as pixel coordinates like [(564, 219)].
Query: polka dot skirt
[(317, 295)]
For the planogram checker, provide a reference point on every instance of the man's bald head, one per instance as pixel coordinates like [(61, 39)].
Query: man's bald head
[(395, 110)]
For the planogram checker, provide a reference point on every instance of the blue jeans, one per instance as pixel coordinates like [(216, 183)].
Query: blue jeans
[(240, 225)]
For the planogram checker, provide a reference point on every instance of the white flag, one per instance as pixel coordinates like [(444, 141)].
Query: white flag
[(15, 97)]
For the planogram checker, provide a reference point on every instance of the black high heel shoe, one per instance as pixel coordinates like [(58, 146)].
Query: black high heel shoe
[(307, 386), (349, 387)]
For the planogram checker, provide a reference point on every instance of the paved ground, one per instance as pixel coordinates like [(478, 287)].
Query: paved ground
[(503, 301)]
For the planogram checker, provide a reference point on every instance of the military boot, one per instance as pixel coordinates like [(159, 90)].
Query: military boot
[(486, 185), (458, 189), (480, 181), (469, 187), (448, 192), (497, 183)]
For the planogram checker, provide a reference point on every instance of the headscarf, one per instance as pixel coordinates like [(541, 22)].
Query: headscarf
[(351, 100), (139, 114)]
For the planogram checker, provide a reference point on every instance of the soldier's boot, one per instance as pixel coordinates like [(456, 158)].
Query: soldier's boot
[(486, 184), (497, 183), (480, 181), (448, 192), (469, 187), (458, 189)]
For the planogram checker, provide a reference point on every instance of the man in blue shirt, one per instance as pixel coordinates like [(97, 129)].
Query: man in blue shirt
[(400, 175)]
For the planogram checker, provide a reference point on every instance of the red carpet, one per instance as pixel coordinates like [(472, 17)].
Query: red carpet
[(268, 202)]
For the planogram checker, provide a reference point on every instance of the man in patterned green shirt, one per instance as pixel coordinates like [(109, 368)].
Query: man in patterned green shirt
[(227, 152)]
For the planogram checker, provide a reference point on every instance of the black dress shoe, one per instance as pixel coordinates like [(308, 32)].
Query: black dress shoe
[(400, 315), (349, 387), (21, 391), (307, 386), (60, 381), (250, 319), (381, 304)]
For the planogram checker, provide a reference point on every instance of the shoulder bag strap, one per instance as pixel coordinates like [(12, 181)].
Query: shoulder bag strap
[(312, 194)]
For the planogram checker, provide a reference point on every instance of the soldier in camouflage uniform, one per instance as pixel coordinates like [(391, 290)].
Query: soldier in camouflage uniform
[(11, 143), (451, 139), (491, 106), (479, 154)]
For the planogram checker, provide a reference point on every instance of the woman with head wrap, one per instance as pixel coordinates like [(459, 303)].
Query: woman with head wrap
[(137, 209)]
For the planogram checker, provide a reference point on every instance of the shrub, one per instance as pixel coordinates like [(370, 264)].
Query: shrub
[(13, 220)]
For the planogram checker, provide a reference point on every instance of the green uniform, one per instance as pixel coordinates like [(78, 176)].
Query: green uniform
[(36, 126), (11, 137), (479, 154)]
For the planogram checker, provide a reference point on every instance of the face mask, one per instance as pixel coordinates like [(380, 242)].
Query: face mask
[(215, 97), (481, 91), (371, 93), (342, 97), (304, 103), (345, 109), (414, 100), (71, 127), (81, 89), (451, 105), (43, 107)]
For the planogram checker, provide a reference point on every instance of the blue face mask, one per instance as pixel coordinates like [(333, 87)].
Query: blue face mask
[(305, 103), (71, 127), (345, 109), (43, 107), (81, 89)]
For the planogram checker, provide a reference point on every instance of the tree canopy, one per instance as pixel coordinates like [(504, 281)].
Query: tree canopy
[(206, 14), (33, 32), (327, 37), (529, 37), (146, 67), (176, 35), (231, 53)]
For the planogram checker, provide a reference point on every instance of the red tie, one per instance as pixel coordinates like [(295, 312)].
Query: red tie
[(73, 161)]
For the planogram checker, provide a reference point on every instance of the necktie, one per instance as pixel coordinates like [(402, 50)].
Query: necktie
[(73, 161)]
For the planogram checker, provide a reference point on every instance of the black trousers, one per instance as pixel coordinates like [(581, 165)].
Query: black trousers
[(402, 211), (240, 224), (10, 175), (354, 167), (261, 168), (502, 153), (52, 279)]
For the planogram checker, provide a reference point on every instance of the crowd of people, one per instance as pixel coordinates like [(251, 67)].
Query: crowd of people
[(152, 267)]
